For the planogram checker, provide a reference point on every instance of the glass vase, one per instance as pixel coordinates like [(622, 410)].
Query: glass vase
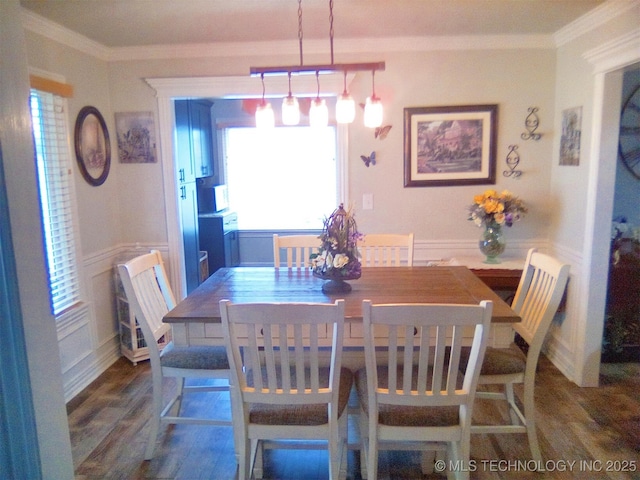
[(492, 243)]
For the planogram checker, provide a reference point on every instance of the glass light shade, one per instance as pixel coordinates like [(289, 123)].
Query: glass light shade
[(373, 112), (264, 116), (290, 110), (318, 113), (345, 109)]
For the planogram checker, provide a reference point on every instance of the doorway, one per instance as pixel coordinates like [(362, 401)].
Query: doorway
[(609, 67), (621, 337)]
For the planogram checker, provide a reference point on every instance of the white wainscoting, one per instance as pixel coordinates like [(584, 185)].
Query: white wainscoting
[(256, 248), (88, 335), (562, 339)]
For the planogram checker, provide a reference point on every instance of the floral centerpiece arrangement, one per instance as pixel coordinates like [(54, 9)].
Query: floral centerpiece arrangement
[(493, 211), (337, 259)]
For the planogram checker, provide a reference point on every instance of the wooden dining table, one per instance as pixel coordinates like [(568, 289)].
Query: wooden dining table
[(196, 319)]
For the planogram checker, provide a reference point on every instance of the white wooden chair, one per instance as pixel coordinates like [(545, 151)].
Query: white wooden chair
[(536, 300), (430, 406), (384, 250), (297, 249), (149, 294), (287, 390)]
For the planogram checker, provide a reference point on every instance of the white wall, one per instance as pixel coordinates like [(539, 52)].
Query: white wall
[(589, 74), (448, 78), (87, 335), (39, 327), (98, 207), (411, 79), (516, 73)]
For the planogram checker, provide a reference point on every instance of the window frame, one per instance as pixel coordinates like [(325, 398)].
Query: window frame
[(340, 169), (72, 290)]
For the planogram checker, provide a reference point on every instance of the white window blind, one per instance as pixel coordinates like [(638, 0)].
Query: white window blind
[(56, 196)]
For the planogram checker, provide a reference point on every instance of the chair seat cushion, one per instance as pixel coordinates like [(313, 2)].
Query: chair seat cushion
[(502, 361), (499, 361), (404, 416), (195, 357), (312, 414)]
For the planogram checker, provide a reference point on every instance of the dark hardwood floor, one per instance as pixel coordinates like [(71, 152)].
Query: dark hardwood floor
[(597, 428)]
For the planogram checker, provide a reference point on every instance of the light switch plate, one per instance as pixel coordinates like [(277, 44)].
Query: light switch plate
[(367, 201)]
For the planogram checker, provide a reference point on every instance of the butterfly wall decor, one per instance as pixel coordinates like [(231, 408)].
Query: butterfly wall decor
[(382, 132), (370, 160)]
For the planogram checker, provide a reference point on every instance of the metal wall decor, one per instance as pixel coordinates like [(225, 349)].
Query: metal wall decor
[(531, 123), (513, 159)]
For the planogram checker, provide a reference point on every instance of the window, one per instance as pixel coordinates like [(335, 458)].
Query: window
[(56, 197), (283, 178)]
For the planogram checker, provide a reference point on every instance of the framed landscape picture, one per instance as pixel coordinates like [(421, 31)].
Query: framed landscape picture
[(450, 145)]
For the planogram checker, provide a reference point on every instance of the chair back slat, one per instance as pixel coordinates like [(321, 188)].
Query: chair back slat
[(386, 250), (282, 361), (251, 355), (296, 248), (454, 359), (439, 360), (424, 346), (424, 355)]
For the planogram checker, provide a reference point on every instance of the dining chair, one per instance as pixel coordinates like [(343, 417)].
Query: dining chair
[(149, 294), (415, 397), (289, 388), (297, 249), (536, 301), (386, 250)]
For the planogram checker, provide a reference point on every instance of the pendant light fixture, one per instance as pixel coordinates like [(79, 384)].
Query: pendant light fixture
[(373, 107), (318, 112), (264, 112), (345, 105), (290, 108)]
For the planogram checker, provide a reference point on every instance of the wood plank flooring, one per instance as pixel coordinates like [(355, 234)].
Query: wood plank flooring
[(594, 427)]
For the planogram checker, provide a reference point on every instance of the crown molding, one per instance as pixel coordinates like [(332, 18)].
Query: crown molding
[(615, 54), (345, 46), (594, 19), (53, 31)]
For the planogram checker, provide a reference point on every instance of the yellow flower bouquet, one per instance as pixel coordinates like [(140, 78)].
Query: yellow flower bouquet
[(491, 209)]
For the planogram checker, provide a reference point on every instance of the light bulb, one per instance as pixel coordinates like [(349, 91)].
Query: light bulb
[(318, 113), (264, 116), (345, 108), (373, 112), (290, 110)]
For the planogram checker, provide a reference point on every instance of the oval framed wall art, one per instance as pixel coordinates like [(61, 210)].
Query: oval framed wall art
[(92, 145)]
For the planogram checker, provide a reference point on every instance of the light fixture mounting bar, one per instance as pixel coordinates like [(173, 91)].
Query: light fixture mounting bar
[(321, 68)]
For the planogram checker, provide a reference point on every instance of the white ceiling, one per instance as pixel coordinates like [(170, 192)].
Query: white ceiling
[(122, 23)]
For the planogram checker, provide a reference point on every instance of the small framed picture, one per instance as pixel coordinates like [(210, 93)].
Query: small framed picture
[(450, 145), (570, 138), (135, 132), (92, 145)]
